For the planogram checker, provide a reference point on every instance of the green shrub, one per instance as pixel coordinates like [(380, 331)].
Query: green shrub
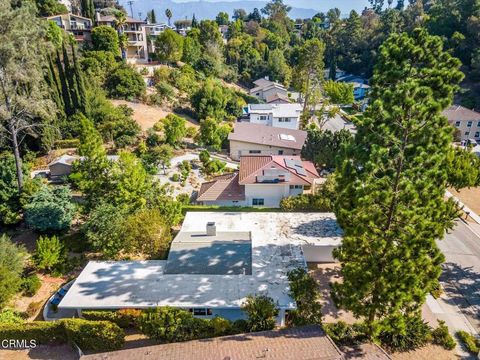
[(469, 341), (125, 318), (261, 312), (67, 144), (176, 177), (183, 198), (304, 289), (169, 324), (442, 337), (240, 326), (88, 335), (49, 252), (344, 334), (306, 202), (437, 290), (30, 285), (405, 333), (44, 332), (220, 326), (9, 316), (94, 335)]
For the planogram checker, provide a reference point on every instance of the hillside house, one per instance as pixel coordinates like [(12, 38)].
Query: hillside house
[(80, 27), (466, 121), (255, 139), (261, 181), (276, 115)]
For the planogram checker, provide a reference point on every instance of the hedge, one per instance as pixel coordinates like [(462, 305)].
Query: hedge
[(88, 335), (125, 318), (227, 208), (94, 335)]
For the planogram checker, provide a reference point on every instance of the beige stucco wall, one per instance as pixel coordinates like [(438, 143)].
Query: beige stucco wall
[(238, 148)]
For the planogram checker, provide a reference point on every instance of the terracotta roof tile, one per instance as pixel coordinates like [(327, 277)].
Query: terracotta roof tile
[(302, 343), (253, 166), (223, 187)]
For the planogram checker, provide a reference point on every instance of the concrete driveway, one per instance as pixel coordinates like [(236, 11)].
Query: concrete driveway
[(459, 306)]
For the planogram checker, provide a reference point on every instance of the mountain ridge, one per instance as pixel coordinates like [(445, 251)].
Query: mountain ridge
[(202, 9)]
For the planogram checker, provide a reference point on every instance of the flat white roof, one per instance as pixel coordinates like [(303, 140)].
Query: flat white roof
[(276, 249), (277, 110)]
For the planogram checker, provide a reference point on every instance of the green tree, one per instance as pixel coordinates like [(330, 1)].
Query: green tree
[(88, 9), (12, 258), (304, 289), (169, 46), (174, 129), (50, 209), (105, 38), (261, 312), (48, 253), (105, 229), (211, 100), (168, 14), (278, 68), (10, 197), (96, 65), (323, 147), (152, 18), (213, 134), (91, 174), (209, 33), (192, 50), (125, 83), (23, 91), (50, 7), (222, 18), (146, 232), (391, 185), (339, 92), (162, 156), (309, 71)]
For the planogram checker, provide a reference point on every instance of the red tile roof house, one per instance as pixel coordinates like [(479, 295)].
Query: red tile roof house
[(256, 139), (261, 181)]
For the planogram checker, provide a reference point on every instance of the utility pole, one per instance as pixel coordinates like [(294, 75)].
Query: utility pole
[(130, 2)]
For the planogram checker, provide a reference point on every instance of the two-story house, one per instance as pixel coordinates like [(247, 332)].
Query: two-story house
[(270, 91), (80, 27), (466, 121), (255, 139), (134, 29), (276, 115), (261, 181)]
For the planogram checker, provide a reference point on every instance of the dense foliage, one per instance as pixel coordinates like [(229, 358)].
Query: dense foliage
[(261, 312), (390, 193), (304, 290), (12, 258)]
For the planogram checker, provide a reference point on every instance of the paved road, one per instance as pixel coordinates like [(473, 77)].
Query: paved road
[(460, 305)]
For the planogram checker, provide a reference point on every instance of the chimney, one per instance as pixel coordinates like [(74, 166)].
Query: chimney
[(211, 229)]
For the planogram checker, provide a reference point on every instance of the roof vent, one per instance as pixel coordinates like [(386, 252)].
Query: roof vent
[(211, 229)]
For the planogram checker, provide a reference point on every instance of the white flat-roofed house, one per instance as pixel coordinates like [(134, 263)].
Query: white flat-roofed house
[(262, 181), (276, 115), (255, 139), (215, 262)]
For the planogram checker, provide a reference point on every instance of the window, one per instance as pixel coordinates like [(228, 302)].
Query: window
[(280, 152), (467, 133), (284, 119), (469, 123), (263, 117), (477, 134), (254, 152), (478, 123), (201, 311), (258, 202), (296, 187), (457, 123)]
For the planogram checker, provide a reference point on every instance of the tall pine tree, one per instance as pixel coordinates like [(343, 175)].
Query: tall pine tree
[(392, 183)]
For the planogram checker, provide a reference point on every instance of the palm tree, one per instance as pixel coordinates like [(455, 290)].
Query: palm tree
[(168, 14), (120, 22)]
